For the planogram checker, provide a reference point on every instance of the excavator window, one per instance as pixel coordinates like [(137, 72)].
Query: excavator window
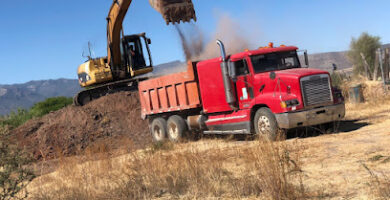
[(135, 48)]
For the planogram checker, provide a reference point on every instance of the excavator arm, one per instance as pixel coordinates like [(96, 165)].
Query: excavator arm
[(173, 11)]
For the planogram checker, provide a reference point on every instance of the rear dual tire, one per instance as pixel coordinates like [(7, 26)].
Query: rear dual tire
[(159, 129), (175, 129)]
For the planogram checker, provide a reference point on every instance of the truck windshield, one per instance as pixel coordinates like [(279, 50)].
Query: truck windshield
[(275, 61)]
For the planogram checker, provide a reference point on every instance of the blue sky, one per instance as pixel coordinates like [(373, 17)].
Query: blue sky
[(44, 39)]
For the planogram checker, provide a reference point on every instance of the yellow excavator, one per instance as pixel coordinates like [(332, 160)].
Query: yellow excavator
[(128, 56)]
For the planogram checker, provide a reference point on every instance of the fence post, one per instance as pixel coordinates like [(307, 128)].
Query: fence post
[(387, 66), (376, 66), (366, 66), (381, 66)]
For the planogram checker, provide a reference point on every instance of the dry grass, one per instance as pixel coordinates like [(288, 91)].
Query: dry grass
[(376, 105), (214, 169), (379, 184), (263, 170), (4, 130), (373, 91)]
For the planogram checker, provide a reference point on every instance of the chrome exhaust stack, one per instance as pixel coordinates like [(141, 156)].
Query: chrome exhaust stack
[(227, 82)]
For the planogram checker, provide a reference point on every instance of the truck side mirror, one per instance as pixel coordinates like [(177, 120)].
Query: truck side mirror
[(306, 58), (232, 70), (148, 41)]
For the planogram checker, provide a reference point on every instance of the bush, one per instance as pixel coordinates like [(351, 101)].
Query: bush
[(14, 177), (51, 104), (15, 119)]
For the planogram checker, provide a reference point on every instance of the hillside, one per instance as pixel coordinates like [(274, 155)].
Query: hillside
[(325, 60), (113, 120)]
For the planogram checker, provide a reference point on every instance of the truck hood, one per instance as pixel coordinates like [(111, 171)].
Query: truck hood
[(299, 72)]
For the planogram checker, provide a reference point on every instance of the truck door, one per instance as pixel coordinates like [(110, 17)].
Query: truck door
[(244, 84)]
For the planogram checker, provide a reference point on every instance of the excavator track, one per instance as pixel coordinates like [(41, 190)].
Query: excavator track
[(88, 95)]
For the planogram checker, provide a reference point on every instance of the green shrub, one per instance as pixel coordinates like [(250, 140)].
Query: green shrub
[(15, 119), (51, 104)]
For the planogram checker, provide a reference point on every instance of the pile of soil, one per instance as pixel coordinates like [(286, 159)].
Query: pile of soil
[(112, 121)]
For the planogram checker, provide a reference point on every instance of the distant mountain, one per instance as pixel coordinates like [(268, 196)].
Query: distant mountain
[(386, 46), (325, 61), (25, 95)]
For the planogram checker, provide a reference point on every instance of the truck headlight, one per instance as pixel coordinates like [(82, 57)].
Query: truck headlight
[(289, 103)]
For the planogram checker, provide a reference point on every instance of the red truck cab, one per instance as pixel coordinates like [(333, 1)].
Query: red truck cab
[(256, 91)]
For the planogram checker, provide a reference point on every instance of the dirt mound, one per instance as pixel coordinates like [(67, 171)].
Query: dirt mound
[(109, 122)]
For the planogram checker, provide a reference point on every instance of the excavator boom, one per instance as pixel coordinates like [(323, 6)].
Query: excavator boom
[(173, 11)]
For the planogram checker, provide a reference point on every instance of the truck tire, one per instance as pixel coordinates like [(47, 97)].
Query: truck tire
[(265, 124), (159, 129), (177, 128)]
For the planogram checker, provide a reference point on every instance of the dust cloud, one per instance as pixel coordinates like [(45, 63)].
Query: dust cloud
[(228, 31), (196, 46)]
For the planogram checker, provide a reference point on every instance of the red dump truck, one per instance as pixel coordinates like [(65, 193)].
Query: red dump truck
[(253, 92)]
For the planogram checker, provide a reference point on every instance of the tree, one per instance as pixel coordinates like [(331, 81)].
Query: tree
[(365, 45)]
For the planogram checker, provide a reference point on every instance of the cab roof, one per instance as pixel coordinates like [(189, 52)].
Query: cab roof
[(262, 50), (259, 51)]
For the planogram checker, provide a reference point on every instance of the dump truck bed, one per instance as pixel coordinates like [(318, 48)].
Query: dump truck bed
[(170, 93)]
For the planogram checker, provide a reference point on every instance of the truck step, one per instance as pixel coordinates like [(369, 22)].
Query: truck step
[(234, 132)]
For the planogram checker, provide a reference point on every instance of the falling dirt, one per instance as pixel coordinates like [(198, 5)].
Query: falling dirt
[(111, 122), (196, 47)]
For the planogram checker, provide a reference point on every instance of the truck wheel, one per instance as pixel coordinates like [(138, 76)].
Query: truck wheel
[(265, 124), (177, 128), (159, 129)]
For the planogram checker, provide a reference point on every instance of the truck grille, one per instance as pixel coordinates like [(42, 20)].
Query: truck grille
[(316, 90)]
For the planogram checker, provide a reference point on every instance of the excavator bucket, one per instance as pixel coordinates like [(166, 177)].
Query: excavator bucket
[(175, 11)]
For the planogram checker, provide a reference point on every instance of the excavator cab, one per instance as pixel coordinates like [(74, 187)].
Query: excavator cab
[(136, 54)]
